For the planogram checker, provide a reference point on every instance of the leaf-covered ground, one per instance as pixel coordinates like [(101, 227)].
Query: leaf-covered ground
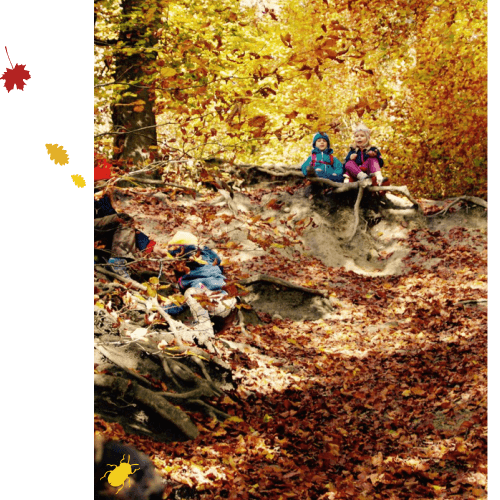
[(384, 398)]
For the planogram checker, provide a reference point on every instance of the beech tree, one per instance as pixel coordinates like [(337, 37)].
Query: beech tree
[(129, 63)]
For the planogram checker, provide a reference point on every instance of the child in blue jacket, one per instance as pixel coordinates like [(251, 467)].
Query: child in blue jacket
[(321, 162), (201, 275)]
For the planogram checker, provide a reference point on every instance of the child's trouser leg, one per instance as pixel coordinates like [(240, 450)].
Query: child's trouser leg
[(358, 172), (218, 304), (373, 167), (203, 327), (200, 314), (122, 235), (353, 169), (123, 242), (369, 166)]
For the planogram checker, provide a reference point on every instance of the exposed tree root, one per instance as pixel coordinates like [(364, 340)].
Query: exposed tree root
[(470, 199), (351, 186), (356, 212), (172, 367), (338, 187), (281, 282), (152, 400)]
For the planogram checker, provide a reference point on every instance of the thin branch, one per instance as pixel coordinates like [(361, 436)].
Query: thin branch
[(134, 130), (471, 199), (99, 85), (120, 278), (396, 189), (105, 43), (153, 126)]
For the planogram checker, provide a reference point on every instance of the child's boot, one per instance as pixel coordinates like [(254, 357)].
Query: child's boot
[(378, 176), (118, 267)]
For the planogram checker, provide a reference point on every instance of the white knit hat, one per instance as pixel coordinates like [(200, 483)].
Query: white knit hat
[(361, 127)]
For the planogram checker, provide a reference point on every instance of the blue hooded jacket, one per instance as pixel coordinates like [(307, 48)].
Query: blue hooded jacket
[(326, 166), (210, 275)]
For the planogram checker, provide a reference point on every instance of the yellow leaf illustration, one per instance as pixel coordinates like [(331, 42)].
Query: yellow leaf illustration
[(78, 180), (57, 154)]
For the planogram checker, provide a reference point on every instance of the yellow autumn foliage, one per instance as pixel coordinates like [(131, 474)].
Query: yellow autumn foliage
[(253, 85)]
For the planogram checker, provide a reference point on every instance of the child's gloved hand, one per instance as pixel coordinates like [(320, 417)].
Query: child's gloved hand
[(372, 154), (353, 156), (310, 171)]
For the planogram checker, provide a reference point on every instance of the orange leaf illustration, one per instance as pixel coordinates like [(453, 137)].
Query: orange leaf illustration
[(15, 76), (57, 154)]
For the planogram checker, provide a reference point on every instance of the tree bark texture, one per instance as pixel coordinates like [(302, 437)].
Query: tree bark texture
[(127, 116)]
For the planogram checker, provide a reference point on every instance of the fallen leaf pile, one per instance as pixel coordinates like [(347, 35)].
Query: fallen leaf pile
[(387, 399)]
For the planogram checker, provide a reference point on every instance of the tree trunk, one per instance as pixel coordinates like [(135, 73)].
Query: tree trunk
[(134, 146)]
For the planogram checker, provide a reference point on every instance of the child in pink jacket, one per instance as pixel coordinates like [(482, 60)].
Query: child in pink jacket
[(363, 159)]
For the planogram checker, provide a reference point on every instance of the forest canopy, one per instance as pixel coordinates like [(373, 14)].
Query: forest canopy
[(251, 81)]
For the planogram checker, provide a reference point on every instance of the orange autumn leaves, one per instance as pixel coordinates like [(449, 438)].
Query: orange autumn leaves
[(60, 157)]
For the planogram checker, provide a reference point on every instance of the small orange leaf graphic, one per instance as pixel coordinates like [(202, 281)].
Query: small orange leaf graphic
[(78, 180), (57, 154)]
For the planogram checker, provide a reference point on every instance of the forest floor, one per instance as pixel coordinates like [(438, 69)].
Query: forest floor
[(375, 390)]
